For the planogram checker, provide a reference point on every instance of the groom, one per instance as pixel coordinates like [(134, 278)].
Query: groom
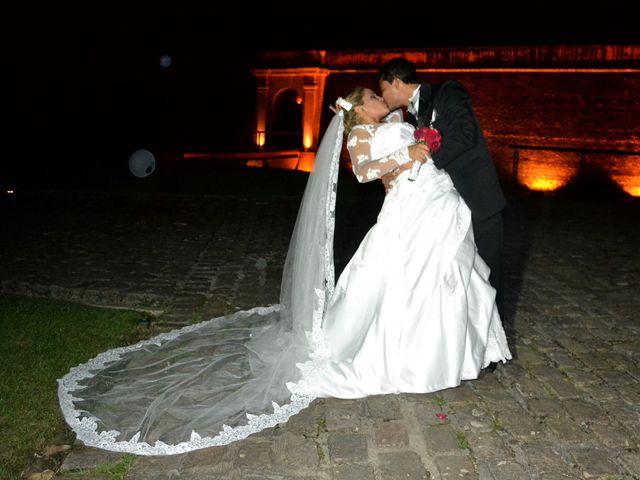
[(463, 153)]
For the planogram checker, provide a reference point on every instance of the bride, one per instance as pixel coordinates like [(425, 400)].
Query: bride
[(413, 311)]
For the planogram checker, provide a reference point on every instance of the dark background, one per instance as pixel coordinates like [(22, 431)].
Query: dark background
[(84, 87)]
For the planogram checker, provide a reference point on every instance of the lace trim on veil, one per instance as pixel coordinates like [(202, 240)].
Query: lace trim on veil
[(316, 336), (86, 427)]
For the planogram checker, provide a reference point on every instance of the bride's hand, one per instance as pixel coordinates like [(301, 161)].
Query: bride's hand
[(419, 152)]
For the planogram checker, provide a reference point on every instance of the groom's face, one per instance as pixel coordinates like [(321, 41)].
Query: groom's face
[(392, 94)]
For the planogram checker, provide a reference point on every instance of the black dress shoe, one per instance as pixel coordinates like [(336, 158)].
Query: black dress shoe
[(491, 367)]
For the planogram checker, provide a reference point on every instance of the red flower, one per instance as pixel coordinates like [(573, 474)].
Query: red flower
[(430, 136), (441, 416)]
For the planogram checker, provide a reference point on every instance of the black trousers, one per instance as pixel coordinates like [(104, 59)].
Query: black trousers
[(489, 239)]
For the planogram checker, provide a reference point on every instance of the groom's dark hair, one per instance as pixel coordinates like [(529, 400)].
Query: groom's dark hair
[(399, 68)]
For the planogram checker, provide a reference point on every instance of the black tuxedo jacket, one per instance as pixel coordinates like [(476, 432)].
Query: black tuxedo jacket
[(463, 153)]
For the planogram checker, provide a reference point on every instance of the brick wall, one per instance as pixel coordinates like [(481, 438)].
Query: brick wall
[(595, 110)]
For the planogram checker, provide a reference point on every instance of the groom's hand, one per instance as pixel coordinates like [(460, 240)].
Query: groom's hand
[(390, 178)]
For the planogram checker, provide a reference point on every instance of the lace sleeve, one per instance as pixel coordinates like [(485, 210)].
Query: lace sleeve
[(366, 168)]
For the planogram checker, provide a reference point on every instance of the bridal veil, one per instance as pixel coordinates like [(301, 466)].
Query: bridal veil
[(219, 381)]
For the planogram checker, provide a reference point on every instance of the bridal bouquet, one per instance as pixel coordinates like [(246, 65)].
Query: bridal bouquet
[(432, 138)]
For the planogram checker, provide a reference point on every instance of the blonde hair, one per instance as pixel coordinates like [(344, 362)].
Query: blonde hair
[(351, 118)]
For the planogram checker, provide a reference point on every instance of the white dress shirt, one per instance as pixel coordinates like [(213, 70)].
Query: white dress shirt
[(414, 102)]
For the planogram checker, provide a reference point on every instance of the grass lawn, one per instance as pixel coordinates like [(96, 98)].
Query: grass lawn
[(39, 341)]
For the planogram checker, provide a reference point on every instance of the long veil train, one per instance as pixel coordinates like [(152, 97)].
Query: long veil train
[(221, 380)]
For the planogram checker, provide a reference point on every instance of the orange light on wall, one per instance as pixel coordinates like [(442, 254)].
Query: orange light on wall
[(255, 163), (544, 184), (627, 175), (299, 99), (306, 161), (633, 191), (260, 138), (307, 141), (630, 184), (548, 171), (545, 171)]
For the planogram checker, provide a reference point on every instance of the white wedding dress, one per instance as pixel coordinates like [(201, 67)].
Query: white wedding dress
[(412, 312)]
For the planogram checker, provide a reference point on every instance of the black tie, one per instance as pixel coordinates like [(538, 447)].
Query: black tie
[(412, 120)]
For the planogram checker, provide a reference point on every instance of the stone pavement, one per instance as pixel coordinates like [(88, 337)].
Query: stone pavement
[(567, 407)]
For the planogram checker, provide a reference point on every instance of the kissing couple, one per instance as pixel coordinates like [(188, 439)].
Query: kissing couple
[(415, 310)]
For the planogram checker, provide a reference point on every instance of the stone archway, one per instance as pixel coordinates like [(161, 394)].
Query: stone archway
[(309, 83), (284, 129)]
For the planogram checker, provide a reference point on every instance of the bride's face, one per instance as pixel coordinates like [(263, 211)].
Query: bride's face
[(373, 106)]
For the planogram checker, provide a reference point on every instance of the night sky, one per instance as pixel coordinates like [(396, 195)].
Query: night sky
[(87, 81)]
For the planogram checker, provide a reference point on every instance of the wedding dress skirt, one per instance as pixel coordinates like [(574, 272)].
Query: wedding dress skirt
[(412, 312)]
